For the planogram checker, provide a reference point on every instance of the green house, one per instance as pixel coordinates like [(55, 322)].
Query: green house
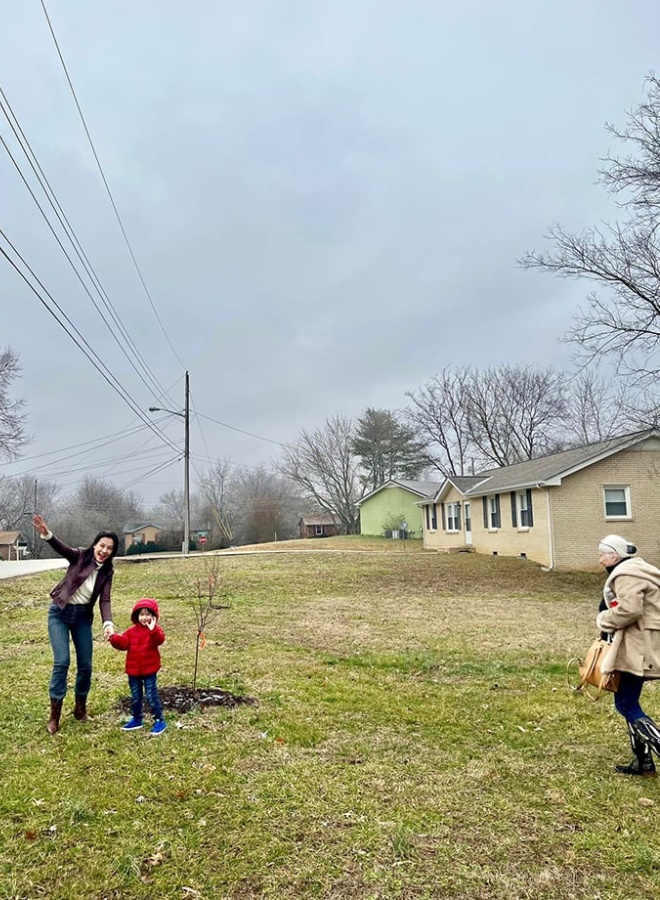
[(390, 507)]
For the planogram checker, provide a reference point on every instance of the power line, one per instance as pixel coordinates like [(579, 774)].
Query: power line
[(259, 437), (102, 442), (55, 465), (79, 341), (154, 471), (154, 388), (114, 461), (107, 186), (161, 465)]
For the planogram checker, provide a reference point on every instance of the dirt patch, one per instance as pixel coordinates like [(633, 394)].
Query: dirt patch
[(184, 699)]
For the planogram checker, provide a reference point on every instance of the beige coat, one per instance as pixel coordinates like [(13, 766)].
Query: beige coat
[(632, 595)]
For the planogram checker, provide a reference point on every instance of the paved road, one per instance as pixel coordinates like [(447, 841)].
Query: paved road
[(29, 566)]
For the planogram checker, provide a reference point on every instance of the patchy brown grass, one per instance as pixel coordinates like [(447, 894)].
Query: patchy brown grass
[(413, 738)]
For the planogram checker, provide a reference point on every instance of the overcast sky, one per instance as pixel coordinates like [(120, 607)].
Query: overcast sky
[(326, 198)]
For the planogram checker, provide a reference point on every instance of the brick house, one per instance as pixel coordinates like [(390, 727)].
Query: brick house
[(145, 533), (554, 509)]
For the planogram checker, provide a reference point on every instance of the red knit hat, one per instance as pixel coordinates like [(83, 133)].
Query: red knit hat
[(144, 603)]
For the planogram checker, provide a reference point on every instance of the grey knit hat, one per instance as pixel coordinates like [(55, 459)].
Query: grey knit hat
[(614, 543)]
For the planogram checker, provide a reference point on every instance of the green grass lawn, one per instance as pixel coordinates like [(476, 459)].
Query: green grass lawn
[(414, 738)]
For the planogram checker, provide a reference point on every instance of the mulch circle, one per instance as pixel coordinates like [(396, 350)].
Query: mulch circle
[(184, 699)]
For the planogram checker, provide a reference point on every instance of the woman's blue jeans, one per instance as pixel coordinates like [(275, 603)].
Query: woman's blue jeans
[(144, 684), (626, 699), (73, 623)]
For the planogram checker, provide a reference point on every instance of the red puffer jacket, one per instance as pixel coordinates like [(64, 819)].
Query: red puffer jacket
[(140, 643)]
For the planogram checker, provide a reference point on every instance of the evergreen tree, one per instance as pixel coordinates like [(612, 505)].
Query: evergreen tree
[(387, 449)]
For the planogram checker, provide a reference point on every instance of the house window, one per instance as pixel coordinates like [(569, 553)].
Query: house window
[(431, 517), (617, 501), (453, 516), (492, 516), (524, 503), (318, 530)]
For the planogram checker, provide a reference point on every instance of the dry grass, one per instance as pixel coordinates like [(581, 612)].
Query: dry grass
[(413, 739)]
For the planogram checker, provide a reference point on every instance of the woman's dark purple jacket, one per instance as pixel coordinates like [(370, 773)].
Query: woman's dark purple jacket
[(78, 572)]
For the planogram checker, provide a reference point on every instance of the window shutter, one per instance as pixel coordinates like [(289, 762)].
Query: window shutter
[(530, 514), (484, 501), (428, 520), (444, 521), (514, 521), (498, 517), (458, 516)]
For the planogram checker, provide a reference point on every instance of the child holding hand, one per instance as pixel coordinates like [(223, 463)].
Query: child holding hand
[(141, 643)]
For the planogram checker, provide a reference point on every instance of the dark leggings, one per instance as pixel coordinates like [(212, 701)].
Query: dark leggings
[(626, 699)]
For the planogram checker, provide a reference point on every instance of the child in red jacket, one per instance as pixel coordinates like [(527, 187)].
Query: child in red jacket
[(141, 643)]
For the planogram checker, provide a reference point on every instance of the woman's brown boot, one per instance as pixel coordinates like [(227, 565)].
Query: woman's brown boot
[(55, 713), (80, 709)]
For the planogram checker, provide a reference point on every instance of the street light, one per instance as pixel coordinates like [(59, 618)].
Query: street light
[(185, 415)]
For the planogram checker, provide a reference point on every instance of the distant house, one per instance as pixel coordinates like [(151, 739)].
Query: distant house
[(323, 525), (555, 508), (385, 510), (144, 533), (12, 545)]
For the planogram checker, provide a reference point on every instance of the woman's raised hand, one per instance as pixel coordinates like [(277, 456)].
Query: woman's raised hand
[(40, 524)]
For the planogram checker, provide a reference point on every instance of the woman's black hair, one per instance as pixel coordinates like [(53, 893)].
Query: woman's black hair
[(89, 552)]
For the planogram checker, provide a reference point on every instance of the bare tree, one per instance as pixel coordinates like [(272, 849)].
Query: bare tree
[(497, 416), (269, 507), (515, 413), (622, 320), (96, 505), (201, 591), (439, 415), (597, 408), (323, 465), (12, 418), (218, 489), (170, 509), (17, 506)]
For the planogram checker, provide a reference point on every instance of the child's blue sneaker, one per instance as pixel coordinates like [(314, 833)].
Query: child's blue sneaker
[(132, 725), (159, 726)]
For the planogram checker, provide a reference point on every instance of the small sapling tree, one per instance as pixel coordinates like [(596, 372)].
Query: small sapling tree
[(202, 592)]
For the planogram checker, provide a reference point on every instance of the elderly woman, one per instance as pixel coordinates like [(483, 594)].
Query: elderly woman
[(630, 612), (88, 578)]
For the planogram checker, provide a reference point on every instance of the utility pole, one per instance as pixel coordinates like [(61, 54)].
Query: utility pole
[(186, 474), (185, 415), (35, 536)]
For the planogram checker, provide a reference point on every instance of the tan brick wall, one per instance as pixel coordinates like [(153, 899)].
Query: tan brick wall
[(446, 540), (510, 540), (575, 514), (506, 540), (578, 508)]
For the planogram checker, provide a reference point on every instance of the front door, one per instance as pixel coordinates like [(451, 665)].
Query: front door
[(468, 523)]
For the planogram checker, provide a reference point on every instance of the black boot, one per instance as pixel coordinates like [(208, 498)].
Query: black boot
[(55, 713), (642, 762), (80, 709), (648, 733)]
